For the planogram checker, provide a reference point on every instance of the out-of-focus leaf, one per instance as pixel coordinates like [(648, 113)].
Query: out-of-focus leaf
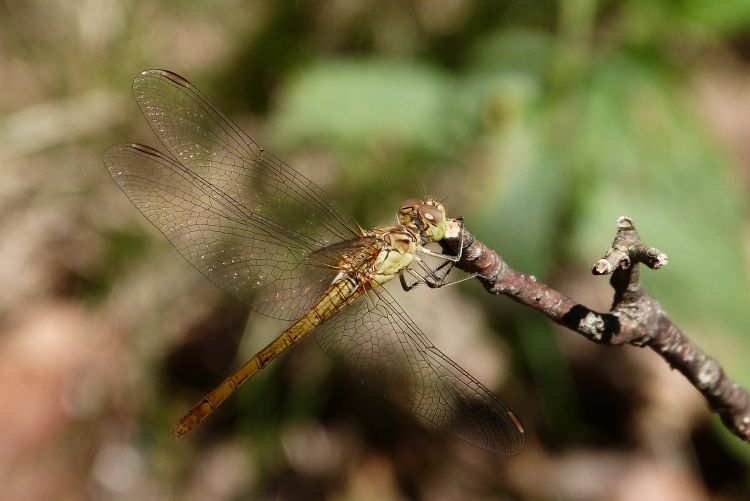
[(352, 104)]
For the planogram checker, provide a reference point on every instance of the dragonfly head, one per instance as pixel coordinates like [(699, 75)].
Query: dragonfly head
[(424, 215)]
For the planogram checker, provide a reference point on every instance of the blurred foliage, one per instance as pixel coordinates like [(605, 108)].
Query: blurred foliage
[(541, 124)]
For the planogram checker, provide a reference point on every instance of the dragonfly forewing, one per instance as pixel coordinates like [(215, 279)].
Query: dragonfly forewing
[(206, 142)]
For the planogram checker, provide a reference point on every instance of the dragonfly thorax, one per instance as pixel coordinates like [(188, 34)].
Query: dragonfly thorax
[(399, 243)]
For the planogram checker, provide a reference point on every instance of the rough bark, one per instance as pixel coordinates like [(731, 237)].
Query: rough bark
[(635, 317)]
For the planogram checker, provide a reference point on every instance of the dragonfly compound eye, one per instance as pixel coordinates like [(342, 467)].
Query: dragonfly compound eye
[(411, 203), (408, 213), (431, 214)]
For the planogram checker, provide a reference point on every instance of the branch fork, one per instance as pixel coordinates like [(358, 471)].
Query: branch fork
[(634, 318), (628, 247)]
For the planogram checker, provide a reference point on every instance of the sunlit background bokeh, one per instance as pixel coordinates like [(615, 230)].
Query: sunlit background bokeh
[(540, 122)]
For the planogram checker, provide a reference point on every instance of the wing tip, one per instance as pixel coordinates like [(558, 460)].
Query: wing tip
[(142, 148), (508, 439), (147, 150), (170, 75), (114, 156), (516, 445)]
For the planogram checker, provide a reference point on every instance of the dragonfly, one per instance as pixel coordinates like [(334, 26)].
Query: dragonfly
[(277, 241)]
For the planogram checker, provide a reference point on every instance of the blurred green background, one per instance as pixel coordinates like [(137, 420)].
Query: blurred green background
[(540, 122)]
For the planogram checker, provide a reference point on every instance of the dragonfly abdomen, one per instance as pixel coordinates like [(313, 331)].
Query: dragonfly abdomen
[(339, 294)]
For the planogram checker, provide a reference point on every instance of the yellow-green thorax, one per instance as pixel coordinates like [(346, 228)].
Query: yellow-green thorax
[(397, 252)]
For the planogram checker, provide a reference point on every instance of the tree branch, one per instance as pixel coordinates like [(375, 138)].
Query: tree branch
[(635, 317)]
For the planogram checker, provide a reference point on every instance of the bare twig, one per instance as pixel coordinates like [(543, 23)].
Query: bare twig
[(635, 317)]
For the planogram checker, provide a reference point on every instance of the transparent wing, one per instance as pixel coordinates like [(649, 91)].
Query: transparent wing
[(261, 263), (377, 341), (210, 145), (243, 218)]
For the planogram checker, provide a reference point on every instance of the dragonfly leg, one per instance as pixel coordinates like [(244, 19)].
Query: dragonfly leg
[(434, 280), (448, 264), (430, 279), (419, 279)]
